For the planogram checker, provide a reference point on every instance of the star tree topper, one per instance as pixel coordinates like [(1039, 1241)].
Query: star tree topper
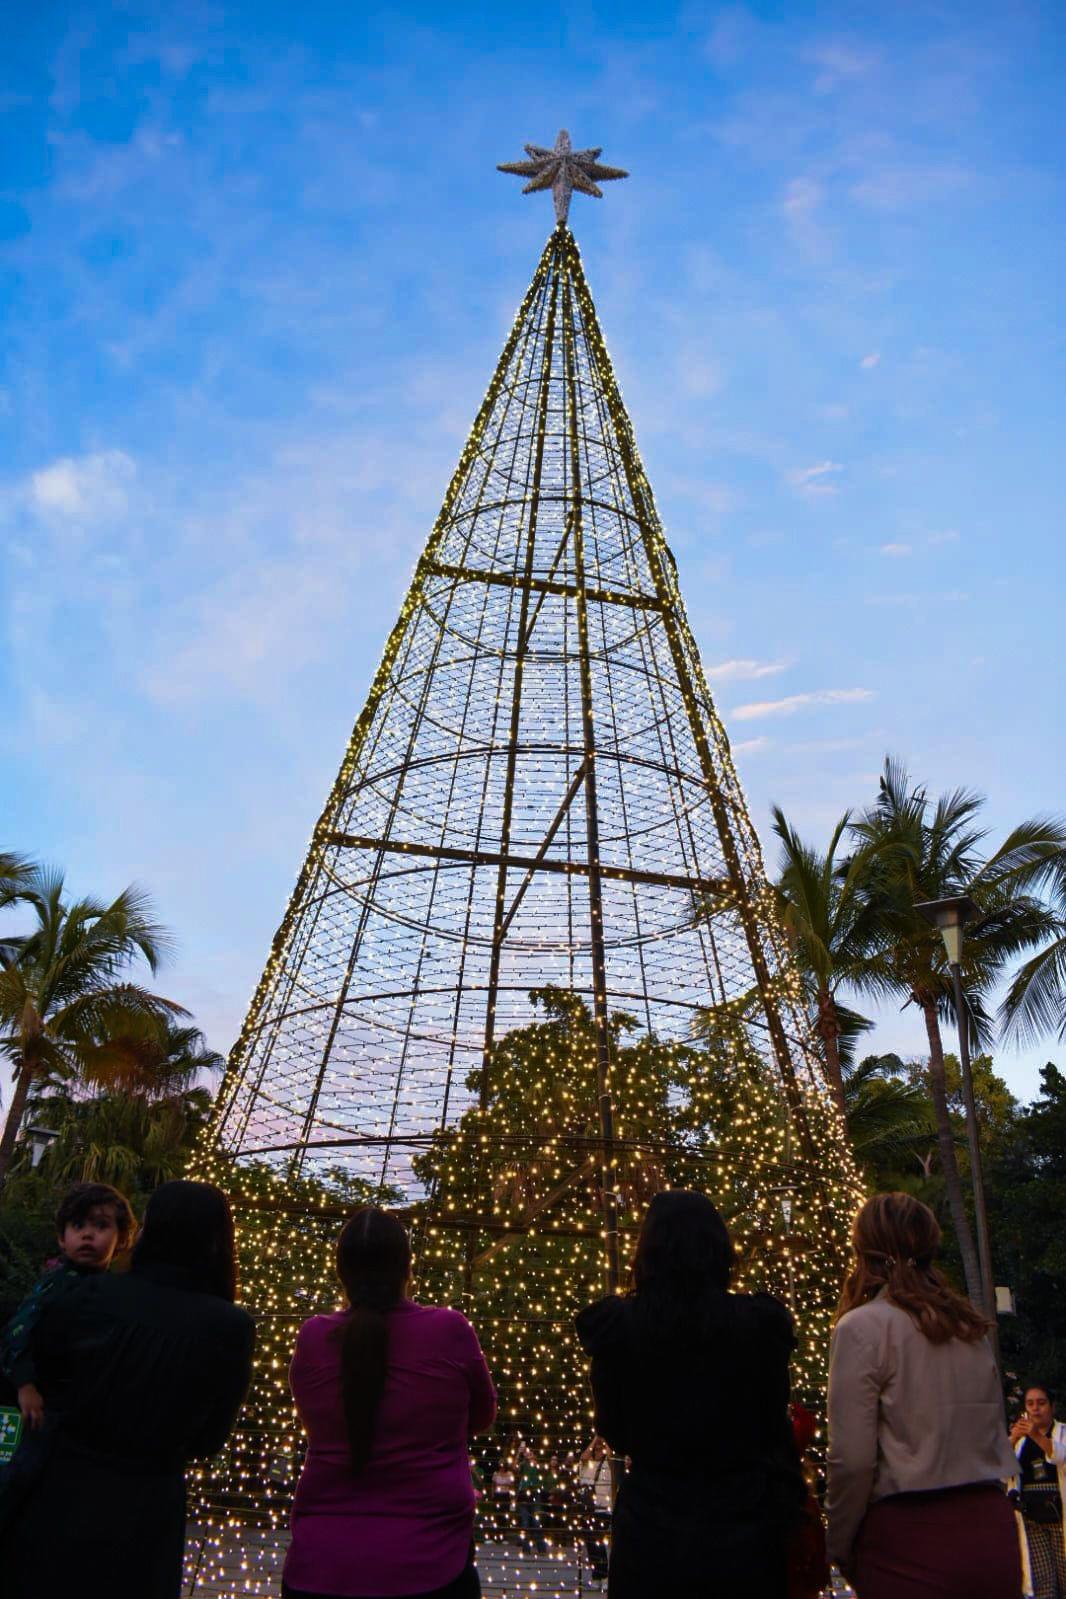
[(562, 170)]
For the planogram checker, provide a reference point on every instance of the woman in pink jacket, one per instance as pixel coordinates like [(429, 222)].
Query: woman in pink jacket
[(390, 1393)]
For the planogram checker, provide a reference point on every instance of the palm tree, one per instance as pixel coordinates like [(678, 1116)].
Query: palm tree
[(929, 850), (14, 873), (121, 1138), (1035, 1002), (64, 1000), (154, 1057), (137, 1128), (832, 928), (184, 1060), (889, 1115)]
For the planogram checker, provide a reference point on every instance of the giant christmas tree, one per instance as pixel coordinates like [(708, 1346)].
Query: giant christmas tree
[(531, 971)]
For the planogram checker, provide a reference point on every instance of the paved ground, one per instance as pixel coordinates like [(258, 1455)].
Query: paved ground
[(249, 1563)]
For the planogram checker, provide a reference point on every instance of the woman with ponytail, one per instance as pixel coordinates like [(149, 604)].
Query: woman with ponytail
[(917, 1450), (390, 1393)]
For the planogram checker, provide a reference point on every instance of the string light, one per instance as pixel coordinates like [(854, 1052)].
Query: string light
[(471, 976)]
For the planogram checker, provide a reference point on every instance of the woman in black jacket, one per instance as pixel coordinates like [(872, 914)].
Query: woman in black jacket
[(691, 1382), (141, 1372)]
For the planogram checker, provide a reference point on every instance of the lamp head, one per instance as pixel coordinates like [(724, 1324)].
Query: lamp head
[(39, 1139), (951, 916)]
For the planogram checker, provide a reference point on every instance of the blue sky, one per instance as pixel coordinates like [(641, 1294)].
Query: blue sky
[(256, 267)]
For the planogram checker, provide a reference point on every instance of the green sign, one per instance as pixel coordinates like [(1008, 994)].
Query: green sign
[(10, 1433)]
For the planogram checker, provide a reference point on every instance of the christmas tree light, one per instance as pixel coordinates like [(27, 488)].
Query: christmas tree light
[(531, 972)]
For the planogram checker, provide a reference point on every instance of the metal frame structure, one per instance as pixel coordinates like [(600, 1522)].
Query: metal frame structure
[(538, 793)]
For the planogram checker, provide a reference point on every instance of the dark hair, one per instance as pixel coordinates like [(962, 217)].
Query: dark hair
[(896, 1238), (190, 1225), (684, 1260), (1041, 1388), (373, 1263), (85, 1197)]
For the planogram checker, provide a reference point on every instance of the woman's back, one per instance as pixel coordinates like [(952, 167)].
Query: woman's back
[(691, 1382), (404, 1522), (144, 1370), (936, 1409), (917, 1445), (698, 1399)]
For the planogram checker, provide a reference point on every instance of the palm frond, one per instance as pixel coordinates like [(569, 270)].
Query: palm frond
[(1031, 855), (15, 873), (870, 1067), (1034, 1005), (852, 1026), (120, 1008)]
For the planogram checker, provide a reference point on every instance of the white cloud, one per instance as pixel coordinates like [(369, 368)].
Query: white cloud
[(948, 535), (731, 37), (802, 197), (898, 188), (839, 63), (799, 702), (750, 746), (829, 746), (87, 487), (812, 482), (801, 209), (247, 635), (895, 549), (698, 372), (868, 362), (912, 601), (744, 671), (717, 497)]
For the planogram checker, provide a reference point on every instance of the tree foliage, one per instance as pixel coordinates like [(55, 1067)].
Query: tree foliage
[(1034, 1006), (854, 926), (1026, 1181), (68, 1008)]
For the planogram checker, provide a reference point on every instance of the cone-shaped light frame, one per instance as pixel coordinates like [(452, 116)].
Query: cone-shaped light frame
[(531, 970)]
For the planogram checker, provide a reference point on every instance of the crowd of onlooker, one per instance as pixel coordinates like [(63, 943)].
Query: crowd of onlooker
[(546, 1503), (696, 1485)]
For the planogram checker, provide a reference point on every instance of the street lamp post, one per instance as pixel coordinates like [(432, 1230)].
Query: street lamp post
[(39, 1139), (951, 917)]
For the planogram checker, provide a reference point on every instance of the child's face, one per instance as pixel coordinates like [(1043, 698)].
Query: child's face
[(91, 1243)]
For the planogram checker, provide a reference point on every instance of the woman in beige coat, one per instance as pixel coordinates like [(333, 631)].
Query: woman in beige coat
[(917, 1447)]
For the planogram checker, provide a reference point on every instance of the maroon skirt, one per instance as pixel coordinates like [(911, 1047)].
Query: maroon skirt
[(958, 1543)]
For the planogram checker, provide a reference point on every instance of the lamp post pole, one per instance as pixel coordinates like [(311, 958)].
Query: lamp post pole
[(984, 1248)]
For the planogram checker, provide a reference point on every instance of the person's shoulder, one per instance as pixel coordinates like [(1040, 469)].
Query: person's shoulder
[(214, 1316), (602, 1326), (65, 1289), (871, 1322), (61, 1277), (320, 1328), (219, 1324), (438, 1321), (878, 1312), (75, 1303), (235, 1316), (860, 1316), (761, 1315)]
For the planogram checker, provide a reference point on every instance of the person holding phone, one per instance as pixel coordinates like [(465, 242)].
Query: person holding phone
[(1040, 1444)]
